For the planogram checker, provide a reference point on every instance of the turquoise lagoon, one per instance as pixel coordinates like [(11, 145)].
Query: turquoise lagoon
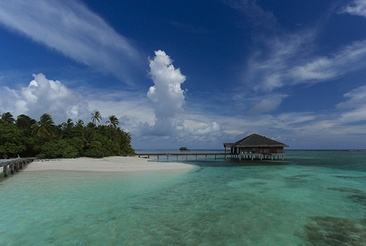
[(311, 198)]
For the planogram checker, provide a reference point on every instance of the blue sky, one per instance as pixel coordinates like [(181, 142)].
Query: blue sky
[(191, 73)]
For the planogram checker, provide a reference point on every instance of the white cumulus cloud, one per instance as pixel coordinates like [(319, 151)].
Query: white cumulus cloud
[(166, 94), (44, 96)]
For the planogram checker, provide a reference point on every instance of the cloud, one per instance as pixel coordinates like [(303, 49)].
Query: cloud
[(345, 60), (166, 94), (72, 29), (290, 61), (256, 16), (11, 101), (356, 7), (283, 59), (267, 103), (346, 120), (190, 128), (163, 123), (268, 68), (200, 129), (132, 107), (44, 96), (355, 98), (172, 125), (354, 106)]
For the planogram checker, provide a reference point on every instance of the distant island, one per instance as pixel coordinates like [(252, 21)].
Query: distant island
[(27, 137)]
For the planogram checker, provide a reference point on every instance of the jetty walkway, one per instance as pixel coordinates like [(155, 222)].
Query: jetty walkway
[(210, 155), (14, 165)]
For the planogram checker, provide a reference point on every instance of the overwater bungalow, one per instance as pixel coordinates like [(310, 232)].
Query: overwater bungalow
[(256, 146)]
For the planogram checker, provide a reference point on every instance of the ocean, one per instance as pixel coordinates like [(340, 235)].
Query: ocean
[(310, 198)]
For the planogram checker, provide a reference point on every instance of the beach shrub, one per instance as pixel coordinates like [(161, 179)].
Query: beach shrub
[(94, 153), (76, 143), (101, 146), (120, 139), (107, 146), (58, 149)]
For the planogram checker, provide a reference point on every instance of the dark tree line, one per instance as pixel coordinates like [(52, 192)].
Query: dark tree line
[(28, 137)]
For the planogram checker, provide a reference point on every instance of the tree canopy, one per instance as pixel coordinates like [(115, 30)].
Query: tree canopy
[(25, 136)]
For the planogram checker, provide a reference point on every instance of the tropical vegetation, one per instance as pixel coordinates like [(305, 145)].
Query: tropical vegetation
[(42, 138)]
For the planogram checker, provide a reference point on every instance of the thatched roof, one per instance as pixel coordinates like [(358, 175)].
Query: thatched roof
[(256, 140), (228, 145)]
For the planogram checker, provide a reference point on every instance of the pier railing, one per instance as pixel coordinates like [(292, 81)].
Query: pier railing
[(169, 156), (14, 165), (210, 155)]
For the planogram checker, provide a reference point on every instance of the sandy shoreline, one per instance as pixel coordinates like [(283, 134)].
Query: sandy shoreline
[(107, 164)]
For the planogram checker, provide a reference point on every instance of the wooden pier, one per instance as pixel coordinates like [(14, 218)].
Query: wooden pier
[(206, 156), (14, 165)]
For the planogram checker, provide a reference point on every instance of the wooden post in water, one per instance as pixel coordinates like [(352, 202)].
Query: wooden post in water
[(14, 165), (12, 168), (5, 171)]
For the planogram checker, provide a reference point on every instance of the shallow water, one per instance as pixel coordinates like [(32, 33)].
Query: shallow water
[(312, 198)]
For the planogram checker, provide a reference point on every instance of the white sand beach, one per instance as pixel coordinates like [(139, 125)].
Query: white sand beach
[(108, 164)]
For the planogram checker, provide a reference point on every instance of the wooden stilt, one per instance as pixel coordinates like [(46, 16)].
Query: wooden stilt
[(14, 165), (12, 168), (5, 171)]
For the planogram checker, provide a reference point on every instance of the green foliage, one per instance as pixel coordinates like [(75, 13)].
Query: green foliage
[(113, 121), (96, 117), (58, 149), (94, 153), (101, 146), (11, 140), (28, 137), (44, 128), (7, 118), (24, 123)]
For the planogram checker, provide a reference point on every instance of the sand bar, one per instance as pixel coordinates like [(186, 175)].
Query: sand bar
[(107, 164)]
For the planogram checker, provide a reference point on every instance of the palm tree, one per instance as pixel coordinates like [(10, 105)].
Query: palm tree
[(113, 121), (44, 127), (7, 118), (80, 123), (88, 137), (24, 123), (96, 117), (69, 123)]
